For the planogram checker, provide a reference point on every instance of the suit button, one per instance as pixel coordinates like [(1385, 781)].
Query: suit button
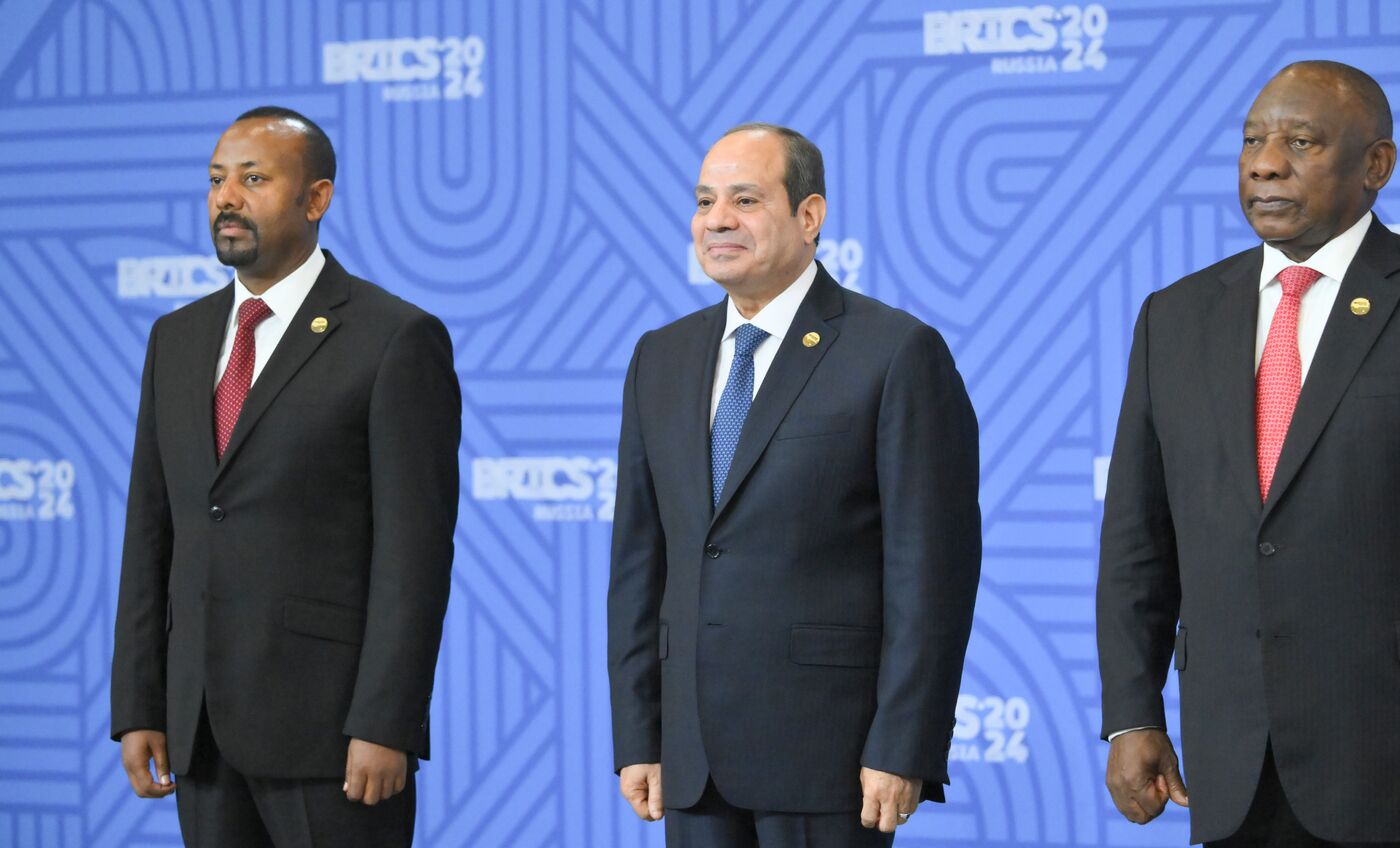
[(216, 513), (1267, 548), (712, 551)]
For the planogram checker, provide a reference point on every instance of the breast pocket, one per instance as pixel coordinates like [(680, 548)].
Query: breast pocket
[(1376, 385), (813, 425)]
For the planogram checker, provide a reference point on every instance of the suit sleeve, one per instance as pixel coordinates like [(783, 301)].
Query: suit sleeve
[(927, 464), (139, 643), (1139, 590), (634, 593), (415, 421)]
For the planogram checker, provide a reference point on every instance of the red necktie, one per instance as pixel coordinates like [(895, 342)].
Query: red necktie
[(238, 374), (1280, 375)]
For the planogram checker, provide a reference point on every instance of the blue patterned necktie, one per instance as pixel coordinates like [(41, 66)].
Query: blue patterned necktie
[(734, 405)]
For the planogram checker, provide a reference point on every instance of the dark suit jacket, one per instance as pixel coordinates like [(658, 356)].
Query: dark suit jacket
[(1285, 616), (298, 586), (817, 619)]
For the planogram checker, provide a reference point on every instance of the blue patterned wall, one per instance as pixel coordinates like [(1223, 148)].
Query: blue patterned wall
[(1019, 177)]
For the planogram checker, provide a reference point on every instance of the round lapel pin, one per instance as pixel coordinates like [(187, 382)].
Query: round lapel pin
[(319, 324), (1360, 306), (811, 340)]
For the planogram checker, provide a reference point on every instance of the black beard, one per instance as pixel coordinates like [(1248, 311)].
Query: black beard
[(236, 257)]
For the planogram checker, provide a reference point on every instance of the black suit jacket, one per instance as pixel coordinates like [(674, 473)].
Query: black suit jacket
[(297, 586), (1285, 616), (817, 619)]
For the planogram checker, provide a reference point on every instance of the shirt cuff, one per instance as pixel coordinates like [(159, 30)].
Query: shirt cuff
[(1118, 733)]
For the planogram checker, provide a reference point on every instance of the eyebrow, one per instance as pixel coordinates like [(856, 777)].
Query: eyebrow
[(1297, 124), (751, 188), (215, 166)]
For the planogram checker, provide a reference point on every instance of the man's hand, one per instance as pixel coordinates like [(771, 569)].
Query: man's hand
[(641, 786), (374, 773), (139, 747), (1142, 775), (889, 799)]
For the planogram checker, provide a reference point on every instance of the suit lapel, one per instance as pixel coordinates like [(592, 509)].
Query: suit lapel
[(204, 366), (1230, 343), (298, 343), (784, 381), (695, 414), (1346, 339)]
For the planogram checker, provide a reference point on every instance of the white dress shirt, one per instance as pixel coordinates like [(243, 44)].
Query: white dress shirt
[(1332, 261), (284, 298), (775, 319)]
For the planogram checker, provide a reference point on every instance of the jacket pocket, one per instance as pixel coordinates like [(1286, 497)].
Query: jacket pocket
[(663, 641), (324, 620), (813, 425), (1377, 385), (830, 644), (1180, 651)]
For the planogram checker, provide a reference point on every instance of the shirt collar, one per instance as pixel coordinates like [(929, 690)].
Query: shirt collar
[(776, 317), (1330, 260), (285, 296)]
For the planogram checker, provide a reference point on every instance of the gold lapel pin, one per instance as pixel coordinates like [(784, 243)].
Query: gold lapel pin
[(319, 324), (811, 340), (1360, 306)]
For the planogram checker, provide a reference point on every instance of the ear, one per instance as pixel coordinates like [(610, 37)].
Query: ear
[(811, 212), (318, 199), (1380, 163)]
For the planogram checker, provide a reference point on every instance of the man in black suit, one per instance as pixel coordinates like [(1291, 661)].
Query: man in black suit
[(1249, 524), (796, 544), (289, 526)]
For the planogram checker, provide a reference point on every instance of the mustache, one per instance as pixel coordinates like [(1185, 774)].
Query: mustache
[(237, 220)]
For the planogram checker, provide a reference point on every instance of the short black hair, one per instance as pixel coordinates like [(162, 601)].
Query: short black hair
[(320, 155), (803, 172), (1361, 84)]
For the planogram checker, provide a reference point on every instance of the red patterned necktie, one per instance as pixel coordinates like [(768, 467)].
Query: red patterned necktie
[(1280, 375), (238, 374)]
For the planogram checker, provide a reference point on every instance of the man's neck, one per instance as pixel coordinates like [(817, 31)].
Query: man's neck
[(750, 303), (259, 283)]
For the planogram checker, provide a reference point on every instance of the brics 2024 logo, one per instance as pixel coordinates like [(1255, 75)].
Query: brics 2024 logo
[(1029, 39), (426, 68), (36, 489), (562, 488), (187, 277)]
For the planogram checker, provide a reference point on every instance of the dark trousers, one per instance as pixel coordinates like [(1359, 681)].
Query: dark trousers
[(1271, 822), (220, 808), (715, 823)]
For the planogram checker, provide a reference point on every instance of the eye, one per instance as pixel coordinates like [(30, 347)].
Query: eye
[(252, 178), (746, 201), (216, 181), (1250, 141), (1301, 143), (704, 203)]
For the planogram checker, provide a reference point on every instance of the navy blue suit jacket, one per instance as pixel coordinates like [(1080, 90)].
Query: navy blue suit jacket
[(816, 620)]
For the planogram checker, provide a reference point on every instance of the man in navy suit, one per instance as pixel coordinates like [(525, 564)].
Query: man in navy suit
[(796, 545)]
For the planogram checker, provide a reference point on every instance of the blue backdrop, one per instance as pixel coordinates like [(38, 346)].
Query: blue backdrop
[(1019, 177)]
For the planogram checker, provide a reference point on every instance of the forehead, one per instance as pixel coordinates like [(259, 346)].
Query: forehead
[(1315, 100), (751, 157), (262, 140)]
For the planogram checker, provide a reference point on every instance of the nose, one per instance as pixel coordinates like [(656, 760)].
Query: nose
[(1268, 160), (720, 217), (226, 195)]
